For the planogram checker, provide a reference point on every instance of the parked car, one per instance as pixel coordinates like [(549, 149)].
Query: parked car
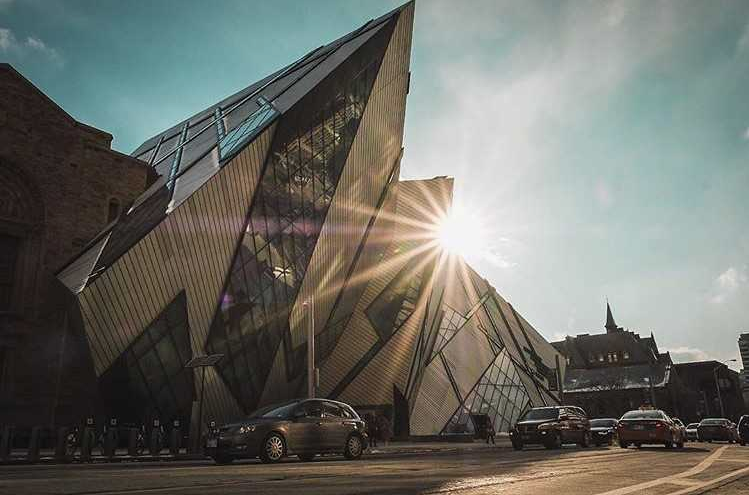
[(717, 429), (302, 427), (683, 428), (551, 427), (647, 427), (692, 432), (743, 429), (603, 431)]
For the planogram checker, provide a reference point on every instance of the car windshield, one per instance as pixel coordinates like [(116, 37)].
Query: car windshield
[(542, 413), (283, 410), (713, 422), (692, 426), (598, 423), (643, 415)]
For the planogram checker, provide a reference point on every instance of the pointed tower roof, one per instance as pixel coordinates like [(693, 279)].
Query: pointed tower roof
[(610, 323)]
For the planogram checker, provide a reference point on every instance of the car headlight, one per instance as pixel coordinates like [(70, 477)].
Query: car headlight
[(246, 429)]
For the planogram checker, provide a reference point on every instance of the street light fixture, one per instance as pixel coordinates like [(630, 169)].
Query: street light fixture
[(312, 376), (717, 385)]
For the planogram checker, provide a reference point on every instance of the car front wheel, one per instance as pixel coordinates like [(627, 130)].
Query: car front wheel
[(354, 447), (274, 448)]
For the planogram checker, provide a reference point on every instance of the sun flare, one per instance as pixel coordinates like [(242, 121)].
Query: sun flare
[(462, 232)]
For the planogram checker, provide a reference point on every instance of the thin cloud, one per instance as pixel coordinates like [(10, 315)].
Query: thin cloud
[(742, 46), (728, 283), (746, 134), (686, 354), (11, 45)]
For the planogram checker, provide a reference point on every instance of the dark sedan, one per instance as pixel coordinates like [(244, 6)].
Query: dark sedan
[(300, 427), (719, 429)]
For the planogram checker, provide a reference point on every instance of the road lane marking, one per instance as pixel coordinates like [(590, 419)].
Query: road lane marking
[(712, 481), (706, 463)]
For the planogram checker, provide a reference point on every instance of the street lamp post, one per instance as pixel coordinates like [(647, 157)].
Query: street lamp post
[(311, 369), (717, 385)]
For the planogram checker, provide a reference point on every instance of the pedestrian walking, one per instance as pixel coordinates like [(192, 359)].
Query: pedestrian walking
[(490, 431), (371, 429), (383, 425)]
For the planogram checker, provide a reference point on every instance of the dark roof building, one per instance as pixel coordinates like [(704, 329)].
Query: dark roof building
[(612, 372)]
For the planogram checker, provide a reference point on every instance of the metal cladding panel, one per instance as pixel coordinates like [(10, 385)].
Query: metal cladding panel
[(75, 275), (546, 351), (189, 250), (435, 402), (469, 354), (359, 336)]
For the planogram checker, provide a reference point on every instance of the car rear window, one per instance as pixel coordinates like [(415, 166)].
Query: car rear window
[(542, 413), (597, 423), (643, 415), (713, 422)]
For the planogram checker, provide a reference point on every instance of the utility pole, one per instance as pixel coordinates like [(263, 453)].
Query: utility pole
[(311, 369), (717, 385)]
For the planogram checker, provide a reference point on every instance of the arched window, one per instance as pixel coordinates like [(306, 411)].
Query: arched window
[(21, 219), (114, 210)]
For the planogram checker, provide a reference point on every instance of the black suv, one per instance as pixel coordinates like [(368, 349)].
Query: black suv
[(551, 427), (303, 427)]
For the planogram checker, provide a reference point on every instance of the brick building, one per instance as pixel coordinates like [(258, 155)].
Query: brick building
[(60, 185)]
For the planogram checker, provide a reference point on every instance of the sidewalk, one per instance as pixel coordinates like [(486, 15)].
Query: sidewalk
[(393, 448), (423, 447)]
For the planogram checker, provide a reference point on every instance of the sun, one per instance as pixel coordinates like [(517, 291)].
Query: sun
[(462, 232)]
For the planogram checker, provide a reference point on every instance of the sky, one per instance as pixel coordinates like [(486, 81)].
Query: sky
[(603, 146)]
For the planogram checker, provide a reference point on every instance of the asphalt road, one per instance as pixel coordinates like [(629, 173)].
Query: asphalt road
[(698, 468)]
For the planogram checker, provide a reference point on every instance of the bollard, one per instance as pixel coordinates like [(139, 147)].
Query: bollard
[(6, 442), (175, 438), (132, 442), (61, 446), (155, 439), (32, 454), (111, 439), (87, 443)]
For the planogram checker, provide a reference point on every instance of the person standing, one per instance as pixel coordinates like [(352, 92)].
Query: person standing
[(372, 430), (383, 425), (490, 431)]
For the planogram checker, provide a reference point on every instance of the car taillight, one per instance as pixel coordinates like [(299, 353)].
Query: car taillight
[(660, 425)]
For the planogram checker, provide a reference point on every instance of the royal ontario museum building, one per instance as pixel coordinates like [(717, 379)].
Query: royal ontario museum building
[(280, 209)]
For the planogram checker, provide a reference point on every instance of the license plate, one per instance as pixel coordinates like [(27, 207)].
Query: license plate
[(638, 427), (526, 437), (212, 442)]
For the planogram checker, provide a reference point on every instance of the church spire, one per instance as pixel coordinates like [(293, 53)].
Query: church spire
[(610, 323)]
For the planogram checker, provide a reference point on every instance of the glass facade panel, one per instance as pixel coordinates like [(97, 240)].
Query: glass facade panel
[(149, 379), (499, 396), (392, 307), (288, 211)]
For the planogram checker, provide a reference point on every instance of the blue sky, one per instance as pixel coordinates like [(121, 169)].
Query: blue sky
[(604, 145)]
